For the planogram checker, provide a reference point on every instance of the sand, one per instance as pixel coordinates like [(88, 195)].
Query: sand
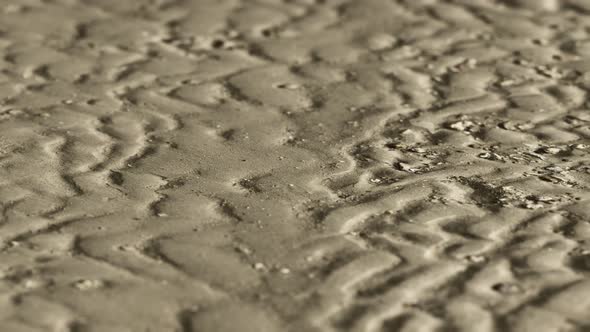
[(302, 165)]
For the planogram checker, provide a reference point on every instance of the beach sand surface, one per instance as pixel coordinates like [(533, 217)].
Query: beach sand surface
[(302, 165)]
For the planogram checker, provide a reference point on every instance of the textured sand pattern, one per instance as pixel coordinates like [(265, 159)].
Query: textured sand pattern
[(302, 165)]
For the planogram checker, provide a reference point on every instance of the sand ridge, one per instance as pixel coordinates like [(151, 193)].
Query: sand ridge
[(302, 165)]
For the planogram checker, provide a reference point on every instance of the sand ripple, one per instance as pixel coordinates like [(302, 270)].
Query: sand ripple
[(267, 165)]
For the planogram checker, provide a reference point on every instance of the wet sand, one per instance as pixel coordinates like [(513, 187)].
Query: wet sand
[(303, 165)]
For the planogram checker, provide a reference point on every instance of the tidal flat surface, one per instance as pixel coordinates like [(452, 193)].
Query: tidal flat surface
[(302, 165)]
